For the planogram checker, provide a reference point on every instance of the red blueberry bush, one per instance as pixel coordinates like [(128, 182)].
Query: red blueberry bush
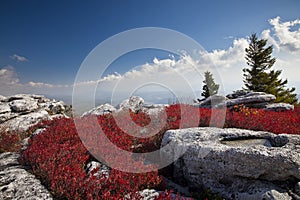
[(59, 157)]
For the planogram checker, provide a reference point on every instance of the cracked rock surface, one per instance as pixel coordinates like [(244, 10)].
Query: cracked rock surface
[(17, 183)]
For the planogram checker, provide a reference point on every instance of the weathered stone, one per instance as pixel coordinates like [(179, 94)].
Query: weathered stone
[(297, 188), (134, 103), (100, 110), (212, 101), (149, 194), (23, 105), (57, 107), (23, 122), (38, 131), (19, 112), (153, 109), (236, 163), (103, 170), (17, 183), (3, 98), (251, 99), (279, 107), (4, 108), (237, 94), (7, 116)]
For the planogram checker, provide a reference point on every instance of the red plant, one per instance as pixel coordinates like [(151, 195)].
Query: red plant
[(59, 157)]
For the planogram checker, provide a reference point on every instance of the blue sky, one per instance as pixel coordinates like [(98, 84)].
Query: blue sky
[(45, 42)]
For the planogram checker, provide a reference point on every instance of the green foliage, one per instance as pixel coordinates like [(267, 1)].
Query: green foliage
[(210, 87), (260, 77)]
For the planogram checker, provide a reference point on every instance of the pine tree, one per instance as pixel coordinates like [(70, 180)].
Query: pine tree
[(260, 77), (210, 87)]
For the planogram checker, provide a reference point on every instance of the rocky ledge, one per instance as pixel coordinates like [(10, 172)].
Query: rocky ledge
[(17, 183), (19, 112), (236, 163), (244, 98)]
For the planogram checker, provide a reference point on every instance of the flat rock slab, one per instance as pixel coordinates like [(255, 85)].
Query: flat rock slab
[(236, 163), (17, 183)]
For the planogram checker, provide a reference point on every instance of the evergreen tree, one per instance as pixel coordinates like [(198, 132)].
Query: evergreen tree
[(260, 77), (210, 87)]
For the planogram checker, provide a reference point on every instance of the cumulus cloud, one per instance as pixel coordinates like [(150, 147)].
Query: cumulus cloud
[(18, 58), (283, 35), (10, 84), (8, 76)]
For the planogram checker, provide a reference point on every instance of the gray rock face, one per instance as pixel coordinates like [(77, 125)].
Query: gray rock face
[(23, 122), (19, 112), (245, 98), (100, 110), (212, 101), (279, 107), (17, 183), (251, 99), (134, 103), (103, 170), (154, 109), (236, 163), (23, 105)]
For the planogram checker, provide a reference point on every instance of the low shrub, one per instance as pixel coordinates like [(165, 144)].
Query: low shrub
[(59, 157)]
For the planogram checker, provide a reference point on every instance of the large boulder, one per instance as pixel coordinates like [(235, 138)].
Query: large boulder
[(245, 98), (23, 105), (279, 107), (236, 163), (134, 103), (251, 99), (100, 110), (17, 183), (23, 122), (20, 111), (212, 101)]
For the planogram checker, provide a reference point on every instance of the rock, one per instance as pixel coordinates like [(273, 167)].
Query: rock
[(154, 109), (17, 183), (4, 108), (250, 99), (134, 103), (103, 170), (149, 194), (279, 107), (57, 107), (212, 101), (19, 112), (23, 122), (237, 94), (245, 98), (236, 163), (3, 98), (38, 131), (100, 110), (7, 116), (23, 105), (297, 188)]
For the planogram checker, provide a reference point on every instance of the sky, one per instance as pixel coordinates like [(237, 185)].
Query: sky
[(43, 45)]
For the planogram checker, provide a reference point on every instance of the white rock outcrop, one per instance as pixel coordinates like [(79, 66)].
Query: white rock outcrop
[(134, 103), (100, 110), (245, 98), (236, 163), (17, 183), (19, 112)]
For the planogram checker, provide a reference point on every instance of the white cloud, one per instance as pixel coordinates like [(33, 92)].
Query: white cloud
[(11, 84), (8, 76), (18, 58), (284, 36)]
